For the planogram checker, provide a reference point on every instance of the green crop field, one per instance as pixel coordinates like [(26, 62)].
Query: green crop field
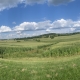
[(13, 43), (41, 59)]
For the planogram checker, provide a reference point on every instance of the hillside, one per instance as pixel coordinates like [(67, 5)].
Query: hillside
[(41, 58)]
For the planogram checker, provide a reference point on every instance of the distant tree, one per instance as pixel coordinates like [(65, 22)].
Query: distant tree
[(18, 41), (1, 52), (38, 40), (51, 36), (46, 36)]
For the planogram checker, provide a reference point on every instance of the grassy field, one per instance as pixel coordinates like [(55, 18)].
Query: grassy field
[(48, 59), (63, 68), (13, 43)]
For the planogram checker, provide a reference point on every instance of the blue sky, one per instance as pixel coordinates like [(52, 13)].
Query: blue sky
[(22, 18)]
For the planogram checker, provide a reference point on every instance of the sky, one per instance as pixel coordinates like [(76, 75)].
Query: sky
[(24, 18)]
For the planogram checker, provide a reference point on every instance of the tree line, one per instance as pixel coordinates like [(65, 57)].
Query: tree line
[(50, 35)]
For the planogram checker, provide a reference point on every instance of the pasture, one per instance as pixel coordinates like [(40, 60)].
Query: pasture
[(47, 59)]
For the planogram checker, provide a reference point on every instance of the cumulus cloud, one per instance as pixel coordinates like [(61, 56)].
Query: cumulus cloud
[(29, 28), (76, 24), (32, 26), (72, 29), (56, 26), (43, 25), (58, 2), (48, 30), (5, 29), (26, 26), (6, 4), (62, 23)]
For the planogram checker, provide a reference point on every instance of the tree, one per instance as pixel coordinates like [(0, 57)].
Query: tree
[(51, 36)]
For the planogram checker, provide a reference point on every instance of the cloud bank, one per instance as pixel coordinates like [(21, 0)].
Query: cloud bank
[(43, 25), (30, 26), (36, 28), (6, 4)]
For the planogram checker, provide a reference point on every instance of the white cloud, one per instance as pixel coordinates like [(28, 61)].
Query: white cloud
[(25, 28), (32, 25), (62, 23), (72, 29), (48, 30), (6, 4), (43, 25), (5, 29), (76, 24), (13, 22)]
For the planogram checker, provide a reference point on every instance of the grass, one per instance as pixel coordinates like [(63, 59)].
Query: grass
[(59, 46), (62, 68), (41, 51), (49, 59), (12, 43)]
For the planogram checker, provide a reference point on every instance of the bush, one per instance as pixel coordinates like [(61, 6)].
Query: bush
[(18, 41)]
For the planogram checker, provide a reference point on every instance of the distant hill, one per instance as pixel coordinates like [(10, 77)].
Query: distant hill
[(49, 35)]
